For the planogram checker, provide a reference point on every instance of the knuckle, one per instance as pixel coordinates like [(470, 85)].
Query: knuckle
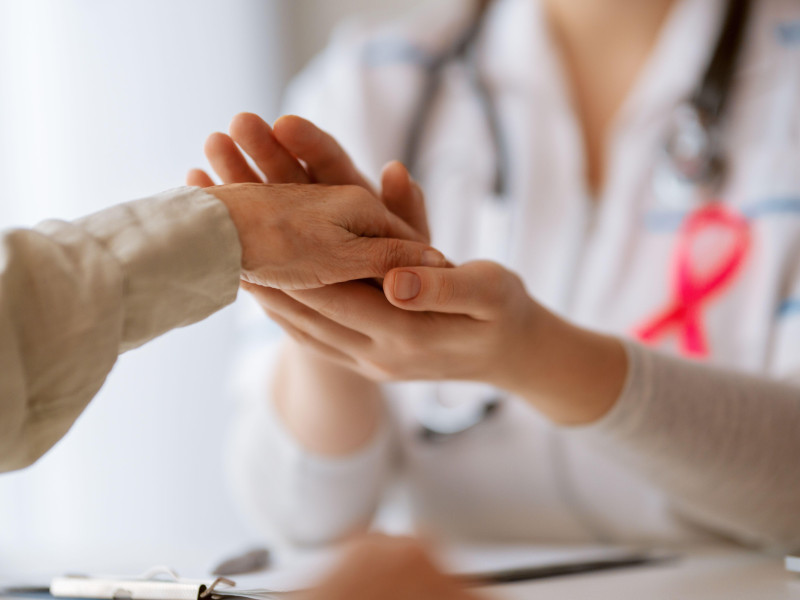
[(445, 290), (486, 269), (494, 281), (356, 194), (389, 256)]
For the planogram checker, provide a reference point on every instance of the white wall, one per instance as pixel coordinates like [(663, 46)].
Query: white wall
[(312, 20), (101, 102)]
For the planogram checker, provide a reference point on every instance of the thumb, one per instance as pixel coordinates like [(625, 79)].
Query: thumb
[(476, 289), (374, 257)]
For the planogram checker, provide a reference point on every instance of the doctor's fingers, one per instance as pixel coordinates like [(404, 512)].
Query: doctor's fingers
[(384, 568), (480, 289), (403, 197), (356, 305), (373, 254), (257, 139), (325, 159), (364, 216), (228, 161), (307, 340), (307, 320), (199, 178)]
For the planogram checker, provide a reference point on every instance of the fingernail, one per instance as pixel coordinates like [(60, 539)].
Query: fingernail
[(433, 258), (406, 285)]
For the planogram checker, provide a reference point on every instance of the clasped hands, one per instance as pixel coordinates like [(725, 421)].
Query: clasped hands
[(432, 321)]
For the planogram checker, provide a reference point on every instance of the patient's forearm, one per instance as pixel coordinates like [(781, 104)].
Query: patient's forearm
[(327, 408), (75, 295)]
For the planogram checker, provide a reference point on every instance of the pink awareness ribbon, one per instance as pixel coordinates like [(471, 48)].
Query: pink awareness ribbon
[(690, 290)]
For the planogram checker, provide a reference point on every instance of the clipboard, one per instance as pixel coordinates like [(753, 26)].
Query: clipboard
[(159, 583)]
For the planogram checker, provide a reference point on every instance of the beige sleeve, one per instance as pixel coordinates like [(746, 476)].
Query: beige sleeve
[(75, 295), (725, 446)]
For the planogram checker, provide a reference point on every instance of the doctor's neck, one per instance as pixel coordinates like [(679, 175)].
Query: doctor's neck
[(589, 23), (604, 46)]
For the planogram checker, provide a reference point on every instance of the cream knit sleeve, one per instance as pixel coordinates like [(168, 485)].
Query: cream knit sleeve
[(723, 445)]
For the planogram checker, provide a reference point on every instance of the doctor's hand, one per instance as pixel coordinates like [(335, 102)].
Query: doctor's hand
[(467, 322), (472, 322), (378, 567)]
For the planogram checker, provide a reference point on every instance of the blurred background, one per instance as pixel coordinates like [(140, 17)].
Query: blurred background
[(101, 102)]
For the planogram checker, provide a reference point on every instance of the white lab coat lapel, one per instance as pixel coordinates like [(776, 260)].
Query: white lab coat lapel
[(544, 146), (608, 283)]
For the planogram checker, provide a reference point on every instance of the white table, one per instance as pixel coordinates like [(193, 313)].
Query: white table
[(708, 574), (719, 573)]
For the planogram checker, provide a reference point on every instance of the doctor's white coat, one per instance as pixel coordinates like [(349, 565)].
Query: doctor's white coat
[(692, 449)]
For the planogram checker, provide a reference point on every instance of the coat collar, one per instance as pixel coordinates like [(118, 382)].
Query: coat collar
[(520, 53)]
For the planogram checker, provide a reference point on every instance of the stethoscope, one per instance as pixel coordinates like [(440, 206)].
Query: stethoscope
[(693, 159)]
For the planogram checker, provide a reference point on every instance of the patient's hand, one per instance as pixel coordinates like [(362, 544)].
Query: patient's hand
[(296, 237), (278, 152), (322, 236)]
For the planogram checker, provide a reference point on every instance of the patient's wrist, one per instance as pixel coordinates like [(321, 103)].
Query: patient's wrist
[(248, 216)]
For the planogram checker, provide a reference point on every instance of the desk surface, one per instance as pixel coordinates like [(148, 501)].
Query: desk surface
[(710, 574)]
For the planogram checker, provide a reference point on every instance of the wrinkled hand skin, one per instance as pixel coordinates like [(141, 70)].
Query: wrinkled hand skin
[(306, 236), (316, 233)]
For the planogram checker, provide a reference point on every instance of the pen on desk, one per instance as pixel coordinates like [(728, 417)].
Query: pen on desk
[(251, 561), (549, 571)]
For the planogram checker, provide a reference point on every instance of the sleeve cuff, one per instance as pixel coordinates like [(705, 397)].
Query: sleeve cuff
[(180, 256), (625, 417)]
